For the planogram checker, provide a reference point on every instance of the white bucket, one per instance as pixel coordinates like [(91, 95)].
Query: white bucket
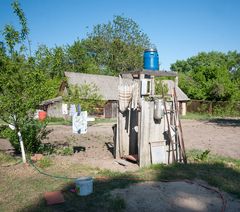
[(84, 186)]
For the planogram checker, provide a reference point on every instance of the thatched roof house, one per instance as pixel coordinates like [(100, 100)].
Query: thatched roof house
[(108, 88), (107, 85)]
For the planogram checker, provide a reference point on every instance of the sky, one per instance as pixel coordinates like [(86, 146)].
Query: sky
[(178, 28)]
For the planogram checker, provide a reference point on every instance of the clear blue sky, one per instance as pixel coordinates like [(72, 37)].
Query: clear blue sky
[(178, 28)]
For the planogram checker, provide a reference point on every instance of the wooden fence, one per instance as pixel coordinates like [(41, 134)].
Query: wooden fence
[(218, 108)]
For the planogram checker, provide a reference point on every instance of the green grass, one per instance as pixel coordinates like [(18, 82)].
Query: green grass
[(22, 188), (61, 121), (6, 160), (44, 162), (58, 121), (197, 116)]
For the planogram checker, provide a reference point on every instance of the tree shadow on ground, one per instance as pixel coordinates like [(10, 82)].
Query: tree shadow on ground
[(216, 174), (227, 122)]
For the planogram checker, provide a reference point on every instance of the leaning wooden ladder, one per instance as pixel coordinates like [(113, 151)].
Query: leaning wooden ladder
[(178, 126), (177, 146)]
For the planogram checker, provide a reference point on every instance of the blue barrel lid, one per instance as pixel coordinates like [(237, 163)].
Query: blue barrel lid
[(150, 50)]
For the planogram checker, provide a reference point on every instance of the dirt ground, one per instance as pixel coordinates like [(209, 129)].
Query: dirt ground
[(173, 196), (221, 137)]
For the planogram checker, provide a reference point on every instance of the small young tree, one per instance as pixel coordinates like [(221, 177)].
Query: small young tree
[(87, 95), (22, 86)]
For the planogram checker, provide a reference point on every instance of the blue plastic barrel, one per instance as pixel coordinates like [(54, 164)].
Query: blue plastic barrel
[(151, 60)]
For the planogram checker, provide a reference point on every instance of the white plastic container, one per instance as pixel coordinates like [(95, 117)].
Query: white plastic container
[(84, 186), (158, 109)]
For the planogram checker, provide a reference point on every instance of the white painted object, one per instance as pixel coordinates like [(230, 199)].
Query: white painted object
[(90, 119), (22, 147), (36, 116), (12, 127), (72, 110), (158, 109), (84, 186), (145, 86), (64, 109), (158, 153), (79, 123)]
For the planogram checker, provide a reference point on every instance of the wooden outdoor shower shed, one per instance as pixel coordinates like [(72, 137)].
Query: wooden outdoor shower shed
[(148, 124)]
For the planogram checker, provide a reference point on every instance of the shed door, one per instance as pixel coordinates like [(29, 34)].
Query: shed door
[(108, 110)]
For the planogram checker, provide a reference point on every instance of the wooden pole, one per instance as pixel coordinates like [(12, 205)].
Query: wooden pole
[(178, 153), (180, 128)]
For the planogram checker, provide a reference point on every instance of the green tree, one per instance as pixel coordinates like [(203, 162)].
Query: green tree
[(117, 45), (53, 62), (79, 60), (22, 85), (209, 76), (87, 95)]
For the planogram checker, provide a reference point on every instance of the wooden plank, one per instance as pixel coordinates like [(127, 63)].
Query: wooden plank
[(152, 73), (123, 134), (144, 147), (116, 140)]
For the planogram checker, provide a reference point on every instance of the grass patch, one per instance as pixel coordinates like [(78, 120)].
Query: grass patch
[(58, 121), (45, 162), (197, 116), (7, 160), (25, 192), (66, 150), (61, 121)]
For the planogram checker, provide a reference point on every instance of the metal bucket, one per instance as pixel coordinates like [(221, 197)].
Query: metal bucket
[(84, 186)]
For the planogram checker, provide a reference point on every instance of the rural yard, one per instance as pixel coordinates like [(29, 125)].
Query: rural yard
[(90, 106), (94, 150), (221, 137)]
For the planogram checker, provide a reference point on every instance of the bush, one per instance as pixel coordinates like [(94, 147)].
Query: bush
[(33, 132)]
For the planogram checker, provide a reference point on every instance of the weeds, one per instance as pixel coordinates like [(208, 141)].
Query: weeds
[(6, 159), (65, 151), (44, 162), (202, 157)]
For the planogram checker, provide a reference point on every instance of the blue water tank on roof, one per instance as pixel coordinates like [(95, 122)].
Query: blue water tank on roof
[(151, 60)]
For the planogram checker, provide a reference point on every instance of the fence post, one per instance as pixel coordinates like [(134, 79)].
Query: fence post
[(210, 110)]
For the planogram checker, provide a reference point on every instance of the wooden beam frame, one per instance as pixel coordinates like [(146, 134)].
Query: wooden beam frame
[(152, 73)]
